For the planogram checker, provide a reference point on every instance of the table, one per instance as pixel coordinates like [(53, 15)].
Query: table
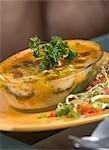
[(7, 143), (35, 137), (60, 141)]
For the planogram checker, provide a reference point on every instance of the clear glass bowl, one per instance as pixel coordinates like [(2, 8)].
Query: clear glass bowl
[(43, 95)]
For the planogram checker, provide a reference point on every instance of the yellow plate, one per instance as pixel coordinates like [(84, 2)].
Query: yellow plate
[(11, 120)]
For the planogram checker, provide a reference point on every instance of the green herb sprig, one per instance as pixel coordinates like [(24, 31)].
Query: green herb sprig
[(51, 53), (68, 110)]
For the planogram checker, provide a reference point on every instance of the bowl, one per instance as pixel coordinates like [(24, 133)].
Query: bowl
[(42, 95)]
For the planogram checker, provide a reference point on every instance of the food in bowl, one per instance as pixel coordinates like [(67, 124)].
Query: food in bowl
[(37, 79)]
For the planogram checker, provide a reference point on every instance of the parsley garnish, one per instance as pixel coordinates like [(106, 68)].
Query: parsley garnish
[(67, 110), (64, 111), (51, 53)]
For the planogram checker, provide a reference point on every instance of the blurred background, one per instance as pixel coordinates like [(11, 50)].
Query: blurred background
[(22, 19)]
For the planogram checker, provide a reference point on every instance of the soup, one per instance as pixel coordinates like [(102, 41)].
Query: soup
[(28, 88)]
